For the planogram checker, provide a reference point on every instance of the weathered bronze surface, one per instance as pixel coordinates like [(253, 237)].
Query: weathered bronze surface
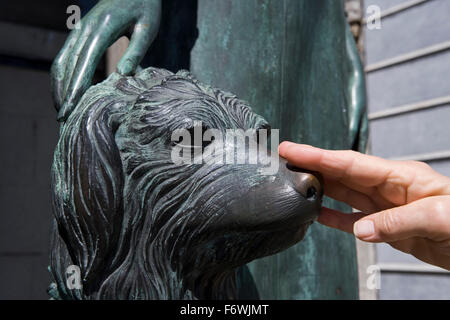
[(74, 67), (142, 227), (294, 61)]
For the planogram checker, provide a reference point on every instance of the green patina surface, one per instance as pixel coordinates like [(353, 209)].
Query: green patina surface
[(297, 66), (295, 63)]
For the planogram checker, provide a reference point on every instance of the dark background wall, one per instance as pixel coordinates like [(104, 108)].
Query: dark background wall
[(28, 133), (31, 32)]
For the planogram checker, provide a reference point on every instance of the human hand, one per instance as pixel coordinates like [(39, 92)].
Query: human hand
[(74, 67), (403, 203)]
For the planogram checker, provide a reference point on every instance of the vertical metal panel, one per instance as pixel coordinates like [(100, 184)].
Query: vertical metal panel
[(288, 59)]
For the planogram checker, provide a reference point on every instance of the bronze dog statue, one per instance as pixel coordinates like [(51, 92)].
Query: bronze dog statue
[(138, 225)]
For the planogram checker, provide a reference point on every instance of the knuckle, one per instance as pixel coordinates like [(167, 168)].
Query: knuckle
[(353, 153), (439, 212), (418, 164), (389, 222)]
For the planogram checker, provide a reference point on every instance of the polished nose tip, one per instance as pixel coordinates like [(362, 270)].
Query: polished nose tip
[(307, 183)]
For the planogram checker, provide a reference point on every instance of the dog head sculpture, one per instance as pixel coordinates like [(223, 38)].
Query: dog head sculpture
[(138, 225)]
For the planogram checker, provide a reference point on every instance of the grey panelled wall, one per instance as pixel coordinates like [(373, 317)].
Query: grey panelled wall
[(412, 29), (288, 59), (413, 81), (413, 133), (419, 129)]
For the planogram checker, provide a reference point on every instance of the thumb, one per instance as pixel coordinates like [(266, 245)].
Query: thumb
[(421, 218)]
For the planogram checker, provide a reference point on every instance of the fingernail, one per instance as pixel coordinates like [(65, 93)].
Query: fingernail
[(364, 228), (126, 68)]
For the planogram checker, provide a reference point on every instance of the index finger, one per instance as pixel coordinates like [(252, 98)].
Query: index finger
[(343, 165), (57, 71)]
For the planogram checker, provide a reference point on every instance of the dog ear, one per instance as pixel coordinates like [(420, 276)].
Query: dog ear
[(87, 183)]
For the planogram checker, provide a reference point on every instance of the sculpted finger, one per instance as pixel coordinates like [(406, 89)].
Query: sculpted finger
[(427, 218), (69, 66), (82, 73), (57, 72), (140, 41), (338, 220)]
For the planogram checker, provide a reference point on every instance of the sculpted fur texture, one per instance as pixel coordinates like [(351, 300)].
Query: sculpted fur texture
[(140, 226)]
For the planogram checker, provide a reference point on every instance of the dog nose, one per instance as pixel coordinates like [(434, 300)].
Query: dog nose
[(307, 183)]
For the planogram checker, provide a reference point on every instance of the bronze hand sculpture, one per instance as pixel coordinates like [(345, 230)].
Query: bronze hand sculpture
[(74, 67)]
